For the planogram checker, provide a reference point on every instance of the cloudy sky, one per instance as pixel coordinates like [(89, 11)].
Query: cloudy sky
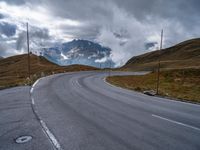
[(128, 27)]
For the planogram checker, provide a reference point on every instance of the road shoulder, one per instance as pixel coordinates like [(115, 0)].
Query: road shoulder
[(17, 119)]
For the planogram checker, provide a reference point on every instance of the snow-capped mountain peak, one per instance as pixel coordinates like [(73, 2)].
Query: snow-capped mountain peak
[(79, 52)]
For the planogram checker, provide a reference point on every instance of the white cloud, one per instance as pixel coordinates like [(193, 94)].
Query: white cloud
[(126, 35), (102, 60), (36, 16), (40, 19)]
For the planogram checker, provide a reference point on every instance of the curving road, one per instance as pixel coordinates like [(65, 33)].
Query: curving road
[(82, 112)]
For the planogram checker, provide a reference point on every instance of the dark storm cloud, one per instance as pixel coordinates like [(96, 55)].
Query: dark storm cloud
[(21, 41), (182, 10), (184, 13), (14, 2), (98, 13), (91, 9), (2, 16), (7, 29), (150, 45), (3, 49), (41, 33), (7, 49), (79, 9), (88, 31), (36, 35)]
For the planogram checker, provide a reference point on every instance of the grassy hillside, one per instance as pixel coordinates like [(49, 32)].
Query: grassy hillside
[(182, 84), (180, 71), (183, 55), (14, 70)]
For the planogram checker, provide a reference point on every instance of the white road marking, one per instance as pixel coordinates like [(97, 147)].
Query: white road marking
[(50, 135), (35, 83), (104, 80), (32, 101), (31, 90), (46, 130), (176, 122), (186, 103), (78, 83), (171, 100)]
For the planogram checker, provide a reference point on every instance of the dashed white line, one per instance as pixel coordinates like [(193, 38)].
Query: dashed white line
[(176, 122), (46, 130), (78, 83)]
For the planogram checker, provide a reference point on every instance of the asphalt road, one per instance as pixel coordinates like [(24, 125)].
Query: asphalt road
[(79, 111), (17, 119)]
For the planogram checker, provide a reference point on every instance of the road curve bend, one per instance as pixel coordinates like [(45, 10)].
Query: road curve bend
[(83, 112)]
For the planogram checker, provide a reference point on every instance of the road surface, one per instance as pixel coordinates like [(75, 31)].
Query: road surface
[(80, 111), (17, 119)]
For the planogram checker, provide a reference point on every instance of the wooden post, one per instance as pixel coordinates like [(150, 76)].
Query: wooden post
[(158, 73)]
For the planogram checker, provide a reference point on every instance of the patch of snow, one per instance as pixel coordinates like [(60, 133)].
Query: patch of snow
[(64, 56), (74, 50), (81, 55)]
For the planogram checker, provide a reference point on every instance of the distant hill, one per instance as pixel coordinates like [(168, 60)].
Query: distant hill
[(1, 57), (183, 55), (78, 52), (14, 69)]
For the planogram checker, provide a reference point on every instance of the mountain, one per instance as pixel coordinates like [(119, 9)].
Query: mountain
[(182, 55), (79, 52), (1, 57), (14, 70)]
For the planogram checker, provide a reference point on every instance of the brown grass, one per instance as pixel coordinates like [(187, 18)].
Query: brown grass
[(14, 70), (183, 55), (180, 84)]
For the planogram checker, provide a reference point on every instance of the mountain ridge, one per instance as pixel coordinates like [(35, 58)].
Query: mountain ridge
[(183, 55), (79, 52)]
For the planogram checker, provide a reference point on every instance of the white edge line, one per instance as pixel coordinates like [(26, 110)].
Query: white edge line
[(171, 100), (35, 83), (187, 103), (50, 135), (104, 79), (176, 122), (43, 124), (31, 90), (32, 101)]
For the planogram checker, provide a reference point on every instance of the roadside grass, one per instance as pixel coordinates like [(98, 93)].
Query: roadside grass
[(182, 84), (14, 72)]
